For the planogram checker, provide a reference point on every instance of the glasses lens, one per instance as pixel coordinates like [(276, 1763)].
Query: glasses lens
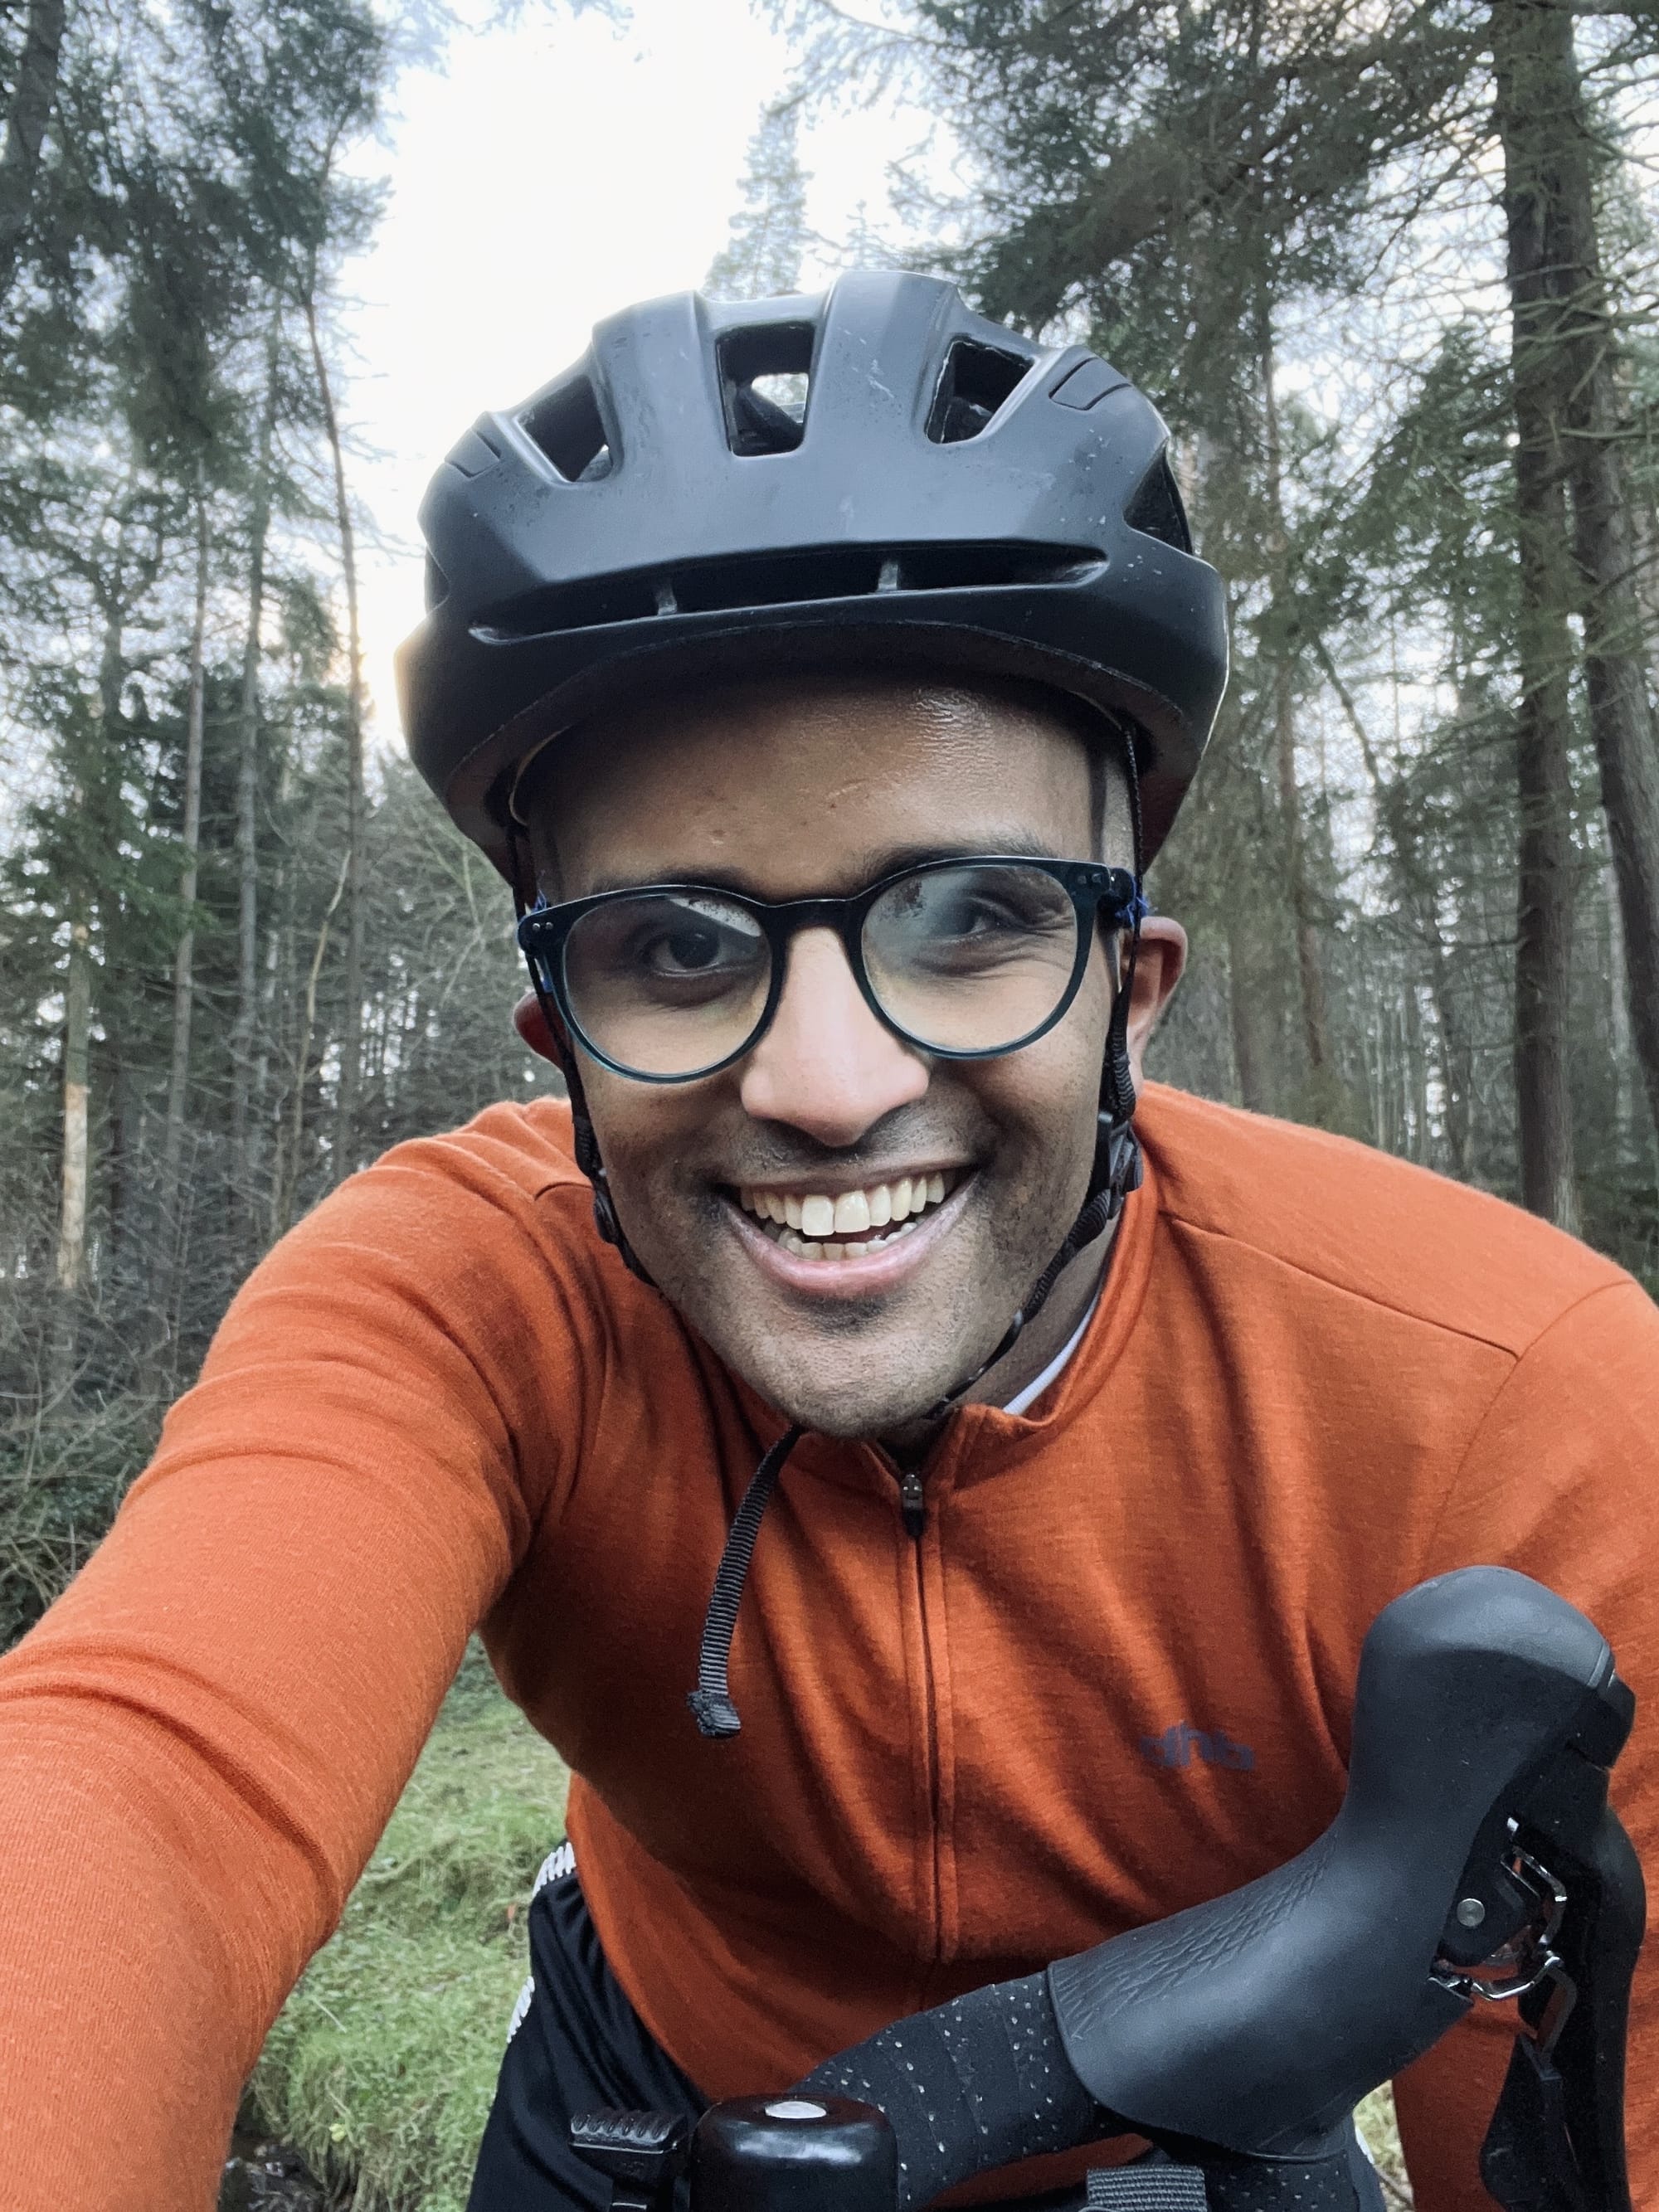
[(667, 983), (974, 959)]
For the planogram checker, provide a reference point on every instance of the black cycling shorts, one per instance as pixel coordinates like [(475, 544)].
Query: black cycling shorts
[(576, 2044)]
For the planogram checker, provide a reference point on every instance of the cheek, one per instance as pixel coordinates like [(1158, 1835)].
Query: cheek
[(641, 1127), (1051, 1090)]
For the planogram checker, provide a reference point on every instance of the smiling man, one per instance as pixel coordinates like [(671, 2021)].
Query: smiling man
[(931, 1485)]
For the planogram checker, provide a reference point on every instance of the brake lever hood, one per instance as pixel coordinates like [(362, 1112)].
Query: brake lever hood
[(1258, 2020)]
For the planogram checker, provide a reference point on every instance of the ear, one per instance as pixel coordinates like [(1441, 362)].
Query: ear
[(531, 1023), (1159, 960)]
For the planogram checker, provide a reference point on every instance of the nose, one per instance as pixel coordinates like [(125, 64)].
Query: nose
[(826, 1064)]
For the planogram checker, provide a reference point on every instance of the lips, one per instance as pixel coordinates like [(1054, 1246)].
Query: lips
[(847, 1265)]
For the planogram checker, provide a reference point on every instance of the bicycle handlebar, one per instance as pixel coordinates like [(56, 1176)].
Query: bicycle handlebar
[(1239, 2034)]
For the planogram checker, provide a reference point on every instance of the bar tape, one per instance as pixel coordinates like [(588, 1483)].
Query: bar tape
[(1138, 2188)]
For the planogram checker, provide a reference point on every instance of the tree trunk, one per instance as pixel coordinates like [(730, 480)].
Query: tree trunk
[(1522, 31), (1546, 873), (77, 1037), (1251, 1055), (288, 1188), (1315, 1023), (1547, 149), (247, 816), (184, 955), (1628, 1119), (77, 1000), (1417, 897), (1615, 677), (72, 1216), (351, 1041), (31, 101)]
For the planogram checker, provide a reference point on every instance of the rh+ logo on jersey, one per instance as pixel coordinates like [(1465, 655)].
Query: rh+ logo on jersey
[(1175, 1746)]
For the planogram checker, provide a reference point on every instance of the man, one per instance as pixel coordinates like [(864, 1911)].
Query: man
[(1043, 1503)]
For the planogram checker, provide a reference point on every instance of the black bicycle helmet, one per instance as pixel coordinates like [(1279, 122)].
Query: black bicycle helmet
[(876, 472)]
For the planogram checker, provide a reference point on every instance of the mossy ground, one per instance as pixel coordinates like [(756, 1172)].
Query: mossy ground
[(382, 2065), (1376, 2125)]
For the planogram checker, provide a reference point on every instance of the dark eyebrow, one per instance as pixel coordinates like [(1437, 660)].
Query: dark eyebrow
[(872, 866)]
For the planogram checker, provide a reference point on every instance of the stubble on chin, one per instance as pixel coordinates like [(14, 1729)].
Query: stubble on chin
[(851, 1369)]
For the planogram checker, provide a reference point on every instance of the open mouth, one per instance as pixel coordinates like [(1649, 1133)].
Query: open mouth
[(813, 1226)]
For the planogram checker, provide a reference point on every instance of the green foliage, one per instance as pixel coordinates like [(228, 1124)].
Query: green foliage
[(61, 1476), (382, 2065), (158, 392)]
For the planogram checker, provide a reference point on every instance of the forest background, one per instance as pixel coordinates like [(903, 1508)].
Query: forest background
[(1386, 266)]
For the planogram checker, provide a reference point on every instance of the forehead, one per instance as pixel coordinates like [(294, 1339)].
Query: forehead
[(810, 783)]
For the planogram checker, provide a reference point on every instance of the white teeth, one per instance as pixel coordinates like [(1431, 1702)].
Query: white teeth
[(852, 1212), (805, 1225), (810, 1249)]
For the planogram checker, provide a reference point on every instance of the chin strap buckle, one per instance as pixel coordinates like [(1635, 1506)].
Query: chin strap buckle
[(1126, 1171)]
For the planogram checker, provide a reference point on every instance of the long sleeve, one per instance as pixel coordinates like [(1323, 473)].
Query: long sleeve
[(1562, 1482), (202, 1741)]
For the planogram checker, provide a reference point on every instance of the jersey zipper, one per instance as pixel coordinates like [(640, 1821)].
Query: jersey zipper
[(912, 1504), (913, 1509)]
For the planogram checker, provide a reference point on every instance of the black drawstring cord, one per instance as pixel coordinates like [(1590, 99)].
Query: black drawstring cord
[(711, 1701)]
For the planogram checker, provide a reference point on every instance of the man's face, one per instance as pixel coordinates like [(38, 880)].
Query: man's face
[(788, 790)]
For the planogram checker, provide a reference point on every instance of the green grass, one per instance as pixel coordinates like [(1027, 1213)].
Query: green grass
[(381, 2067)]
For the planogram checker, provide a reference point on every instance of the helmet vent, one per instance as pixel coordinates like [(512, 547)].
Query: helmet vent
[(971, 568), (786, 392), (743, 586), (975, 381), (565, 423), (704, 587), (1155, 509), (765, 375)]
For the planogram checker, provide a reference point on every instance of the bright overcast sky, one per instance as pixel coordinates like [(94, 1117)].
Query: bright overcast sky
[(557, 171)]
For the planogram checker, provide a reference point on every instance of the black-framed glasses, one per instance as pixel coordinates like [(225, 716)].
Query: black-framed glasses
[(964, 958)]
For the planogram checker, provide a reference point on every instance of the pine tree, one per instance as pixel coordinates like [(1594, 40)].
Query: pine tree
[(768, 240)]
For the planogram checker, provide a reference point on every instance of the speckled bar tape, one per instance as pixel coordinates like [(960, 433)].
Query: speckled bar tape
[(973, 2085)]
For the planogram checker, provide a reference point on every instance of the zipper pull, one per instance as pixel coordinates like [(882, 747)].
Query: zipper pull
[(912, 1504)]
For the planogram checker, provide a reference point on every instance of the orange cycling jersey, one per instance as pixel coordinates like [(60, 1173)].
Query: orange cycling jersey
[(1112, 1677)]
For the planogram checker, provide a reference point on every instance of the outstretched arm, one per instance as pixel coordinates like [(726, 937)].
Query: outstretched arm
[(202, 1741)]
